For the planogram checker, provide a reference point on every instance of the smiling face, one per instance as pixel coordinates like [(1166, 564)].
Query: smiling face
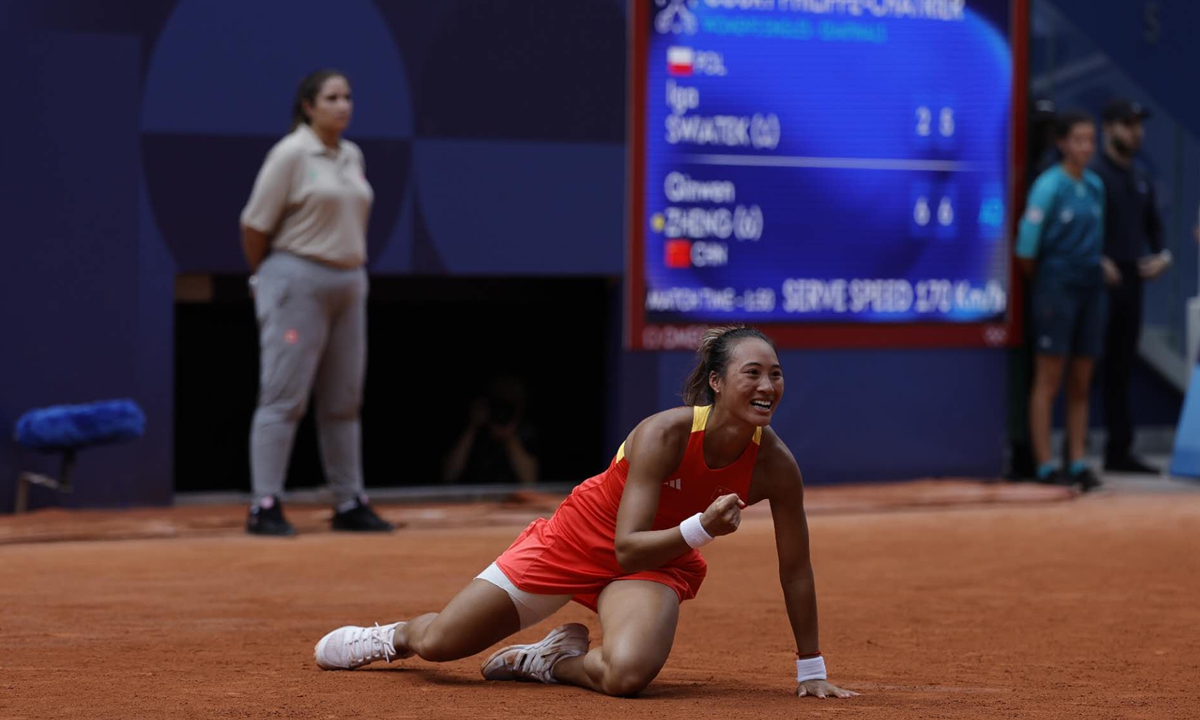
[(752, 384)]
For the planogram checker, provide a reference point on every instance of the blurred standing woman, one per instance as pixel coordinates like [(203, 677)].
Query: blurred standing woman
[(304, 235)]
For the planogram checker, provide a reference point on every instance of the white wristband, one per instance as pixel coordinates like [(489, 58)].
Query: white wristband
[(694, 533), (812, 668)]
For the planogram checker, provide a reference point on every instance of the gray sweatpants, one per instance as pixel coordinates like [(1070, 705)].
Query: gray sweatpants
[(312, 325)]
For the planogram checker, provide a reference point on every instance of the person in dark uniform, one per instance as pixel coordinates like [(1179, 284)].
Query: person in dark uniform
[(1133, 253)]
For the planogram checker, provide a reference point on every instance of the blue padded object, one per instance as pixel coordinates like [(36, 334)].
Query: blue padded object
[(74, 426)]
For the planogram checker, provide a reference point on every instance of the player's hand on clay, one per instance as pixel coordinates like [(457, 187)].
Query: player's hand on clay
[(723, 516), (822, 689)]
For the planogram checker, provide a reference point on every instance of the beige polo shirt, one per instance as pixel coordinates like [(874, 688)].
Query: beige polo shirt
[(313, 201)]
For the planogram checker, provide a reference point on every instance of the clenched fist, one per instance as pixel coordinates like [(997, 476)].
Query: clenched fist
[(723, 516)]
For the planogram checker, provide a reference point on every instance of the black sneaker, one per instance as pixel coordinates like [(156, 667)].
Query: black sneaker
[(360, 518), (1130, 464), (1021, 465), (1086, 480), (1054, 478), (269, 520)]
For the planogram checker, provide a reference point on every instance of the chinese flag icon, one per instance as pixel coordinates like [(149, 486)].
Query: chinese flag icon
[(678, 253)]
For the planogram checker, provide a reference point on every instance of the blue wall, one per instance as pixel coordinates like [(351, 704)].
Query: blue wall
[(494, 137), (85, 293), (1151, 40)]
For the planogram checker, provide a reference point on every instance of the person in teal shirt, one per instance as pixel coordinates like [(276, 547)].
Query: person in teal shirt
[(1060, 246)]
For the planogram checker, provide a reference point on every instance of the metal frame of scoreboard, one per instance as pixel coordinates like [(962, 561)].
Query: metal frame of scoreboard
[(641, 335)]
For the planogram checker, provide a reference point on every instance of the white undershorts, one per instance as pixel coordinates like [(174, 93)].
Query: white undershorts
[(531, 608)]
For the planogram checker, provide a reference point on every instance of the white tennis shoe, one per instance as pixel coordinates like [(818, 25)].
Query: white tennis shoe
[(351, 647), (536, 661)]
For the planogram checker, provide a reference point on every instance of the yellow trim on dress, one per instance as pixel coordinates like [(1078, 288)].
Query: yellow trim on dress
[(700, 415)]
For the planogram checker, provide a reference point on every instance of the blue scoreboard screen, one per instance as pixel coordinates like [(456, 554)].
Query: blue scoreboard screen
[(817, 167)]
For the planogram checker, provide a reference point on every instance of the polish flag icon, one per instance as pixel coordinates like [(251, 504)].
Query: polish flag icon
[(680, 60)]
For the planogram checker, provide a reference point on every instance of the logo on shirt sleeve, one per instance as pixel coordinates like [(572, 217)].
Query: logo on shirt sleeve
[(1034, 215)]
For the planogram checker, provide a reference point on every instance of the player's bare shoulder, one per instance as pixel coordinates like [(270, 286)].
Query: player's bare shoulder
[(776, 472), (773, 449), (663, 434)]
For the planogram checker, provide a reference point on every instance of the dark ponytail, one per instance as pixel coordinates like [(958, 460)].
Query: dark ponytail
[(307, 92), (713, 357)]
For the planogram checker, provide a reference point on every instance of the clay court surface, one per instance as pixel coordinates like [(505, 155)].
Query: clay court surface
[(937, 600)]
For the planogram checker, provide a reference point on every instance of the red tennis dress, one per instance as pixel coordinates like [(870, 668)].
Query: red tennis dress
[(574, 552)]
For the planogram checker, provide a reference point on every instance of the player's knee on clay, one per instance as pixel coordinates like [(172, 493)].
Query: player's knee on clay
[(627, 674), (435, 645)]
